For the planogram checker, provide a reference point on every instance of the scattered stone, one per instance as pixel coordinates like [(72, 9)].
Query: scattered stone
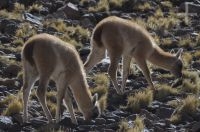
[(164, 112), (100, 121), (5, 122), (12, 71), (70, 10), (192, 7)]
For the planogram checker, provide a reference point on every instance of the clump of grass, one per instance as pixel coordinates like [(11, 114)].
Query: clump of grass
[(186, 42), (15, 107), (35, 8), (143, 7), (51, 96), (167, 4), (102, 82), (138, 125), (196, 54), (159, 22), (19, 42), (8, 99), (191, 82), (174, 103), (52, 108), (26, 30), (101, 79), (72, 34), (139, 100), (102, 5), (164, 91), (123, 126), (189, 106), (187, 58), (19, 8), (116, 3)]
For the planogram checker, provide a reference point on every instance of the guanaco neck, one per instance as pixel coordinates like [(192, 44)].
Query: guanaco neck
[(162, 59), (82, 94)]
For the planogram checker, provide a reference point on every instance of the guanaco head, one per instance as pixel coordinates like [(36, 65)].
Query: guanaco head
[(95, 110), (178, 65)]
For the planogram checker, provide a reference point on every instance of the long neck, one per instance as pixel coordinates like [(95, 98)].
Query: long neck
[(82, 94), (162, 59)]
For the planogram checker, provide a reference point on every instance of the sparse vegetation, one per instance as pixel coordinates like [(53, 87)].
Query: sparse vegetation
[(164, 91), (191, 82), (35, 8), (14, 107), (102, 5), (139, 100), (138, 125), (188, 106)]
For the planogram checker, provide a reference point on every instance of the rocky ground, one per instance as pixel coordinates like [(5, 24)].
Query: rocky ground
[(174, 108)]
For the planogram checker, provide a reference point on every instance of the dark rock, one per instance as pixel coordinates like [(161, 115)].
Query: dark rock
[(108, 130), (196, 127), (10, 83), (164, 112), (12, 71), (8, 26), (148, 123), (4, 4), (88, 20), (100, 121), (17, 118), (31, 18), (110, 121), (196, 65), (84, 51), (113, 126), (5, 39), (70, 10), (132, 117), (120, 113), (44, 11), (36, 122), (85, 127), (5, 122), (149, 115), (192, 7)]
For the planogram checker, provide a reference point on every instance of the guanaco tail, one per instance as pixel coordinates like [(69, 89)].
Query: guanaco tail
[(126, 39), (46, 57)]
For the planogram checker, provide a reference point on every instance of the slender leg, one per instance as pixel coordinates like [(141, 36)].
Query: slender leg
[(61, 89), (41, 92), (112, 71), (69, 105), (126, 65), (29, 79), (143, 65), (96, 55)]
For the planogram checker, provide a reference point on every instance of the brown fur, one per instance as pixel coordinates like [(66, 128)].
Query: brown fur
[(123, 38), (46, 57)]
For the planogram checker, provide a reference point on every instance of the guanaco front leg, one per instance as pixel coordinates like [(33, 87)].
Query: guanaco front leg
[(68, 103), (126, 60), (143, 66)]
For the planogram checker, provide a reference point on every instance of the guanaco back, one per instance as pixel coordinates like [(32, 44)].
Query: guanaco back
[(126, 39), (46, 57)]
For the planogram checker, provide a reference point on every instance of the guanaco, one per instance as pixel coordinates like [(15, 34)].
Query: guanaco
[(126, 39), (46, 57)]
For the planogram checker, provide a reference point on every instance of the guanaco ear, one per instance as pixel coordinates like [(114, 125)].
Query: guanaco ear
[(179, 53), (94, 98)]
